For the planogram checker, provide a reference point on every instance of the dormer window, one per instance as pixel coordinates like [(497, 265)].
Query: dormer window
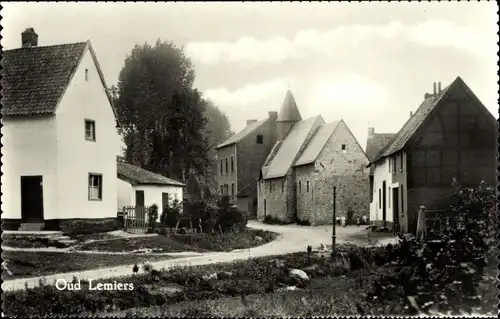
[(90, 130)]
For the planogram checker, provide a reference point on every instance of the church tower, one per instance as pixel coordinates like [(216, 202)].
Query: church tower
[(289, 114)]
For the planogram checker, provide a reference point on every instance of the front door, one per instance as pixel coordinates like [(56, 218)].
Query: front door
[(395, 207), (265, 208), (384, 203), (139, 205), (31, 199), (164, 201)]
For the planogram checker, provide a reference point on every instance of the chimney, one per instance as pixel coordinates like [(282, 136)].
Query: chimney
[(250, 122), (371, 132), (427, 95), (273, 115), (439, 87), (411, 113), (434, 86), (29, 38)]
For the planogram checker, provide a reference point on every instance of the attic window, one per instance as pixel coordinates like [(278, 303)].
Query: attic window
[(344, 147), (260, 139), (86, 75), (90, 130)]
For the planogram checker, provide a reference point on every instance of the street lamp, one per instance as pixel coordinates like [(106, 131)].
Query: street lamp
[(334, 221)]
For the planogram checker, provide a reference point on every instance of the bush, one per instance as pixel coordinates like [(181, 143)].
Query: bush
[(229, 218), (170, 214), (271, 220), (444, 275), (152, 218), (303, 222), (88, 226)]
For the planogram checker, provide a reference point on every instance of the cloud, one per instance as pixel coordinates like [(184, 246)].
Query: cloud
[(341, 41), (346, 97)]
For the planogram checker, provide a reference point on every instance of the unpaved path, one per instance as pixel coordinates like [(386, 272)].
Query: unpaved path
[(293, 238)]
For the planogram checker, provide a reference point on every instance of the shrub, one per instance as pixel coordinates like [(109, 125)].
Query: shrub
[(88, 226), (271, 220), (303, 222), (445, 275), (152, 217), (229, 217)]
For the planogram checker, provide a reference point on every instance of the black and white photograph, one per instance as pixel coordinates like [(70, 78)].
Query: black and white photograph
[(249, 159)]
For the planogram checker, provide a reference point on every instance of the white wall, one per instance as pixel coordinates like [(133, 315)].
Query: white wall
[(78, 157), (29, 148), (152, 194), (380, 174)]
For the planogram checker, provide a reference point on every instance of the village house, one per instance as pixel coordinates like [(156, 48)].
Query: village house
[(309, 159), (450, 136), (239, 161), (59, 136), (138, 187)]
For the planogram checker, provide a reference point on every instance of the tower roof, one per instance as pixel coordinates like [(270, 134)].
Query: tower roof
[(289, 111)]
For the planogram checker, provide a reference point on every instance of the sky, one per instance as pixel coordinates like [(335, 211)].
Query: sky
[(369, 64)]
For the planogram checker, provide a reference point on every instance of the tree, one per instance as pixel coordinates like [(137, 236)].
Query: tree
[(162, 115)]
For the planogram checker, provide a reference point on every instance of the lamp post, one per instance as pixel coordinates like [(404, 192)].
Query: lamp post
[(334, 220)]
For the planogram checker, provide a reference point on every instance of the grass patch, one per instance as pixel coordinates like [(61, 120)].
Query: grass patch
[(31, 264), (187, 242), (31, 241)]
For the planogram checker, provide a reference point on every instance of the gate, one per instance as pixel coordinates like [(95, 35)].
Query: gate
[(135, 219)]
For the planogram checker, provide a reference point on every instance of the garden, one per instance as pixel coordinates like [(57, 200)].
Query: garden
[(456, 275), (219, 228)]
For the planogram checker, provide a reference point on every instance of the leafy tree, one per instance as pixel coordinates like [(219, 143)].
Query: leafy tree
[(162, 116)]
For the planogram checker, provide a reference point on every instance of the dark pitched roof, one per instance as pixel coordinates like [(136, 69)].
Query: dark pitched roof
[(139, 176), (36, 78), (375, 144), (289, 111), (242, 134), (414, 123)]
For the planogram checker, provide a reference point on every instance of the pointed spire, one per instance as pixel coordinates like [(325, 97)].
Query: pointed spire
[(289, 111)]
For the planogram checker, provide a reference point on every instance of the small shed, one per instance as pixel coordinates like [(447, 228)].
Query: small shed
[(140, 187)]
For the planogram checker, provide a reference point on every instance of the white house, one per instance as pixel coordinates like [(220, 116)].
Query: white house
[(380, 174), (59, 136), (140, 187)]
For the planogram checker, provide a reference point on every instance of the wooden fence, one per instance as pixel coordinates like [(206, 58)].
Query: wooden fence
[(135, 219)]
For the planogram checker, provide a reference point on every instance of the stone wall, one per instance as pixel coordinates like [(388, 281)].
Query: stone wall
[(344, 169)]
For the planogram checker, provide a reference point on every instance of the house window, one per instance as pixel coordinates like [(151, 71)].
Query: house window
[(232, 189), (282, 185), (232, 164), (401, 161), (300, 187), (394, 165), (90, 130), (270, 186), (221, 168), (389, 163), (260, 139), (227, 166), (222, 189), (95, 187), (86, 75), (307, 186), (344, 147), (226, 189), (371, 188)]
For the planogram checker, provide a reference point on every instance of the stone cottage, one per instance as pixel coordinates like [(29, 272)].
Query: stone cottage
[(309, 158)]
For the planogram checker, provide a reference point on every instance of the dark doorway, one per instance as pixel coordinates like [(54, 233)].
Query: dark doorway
[(140, 211), (395, 208), (31, 199), (384, 204), (265, 208), (164, 201), (254, 208)]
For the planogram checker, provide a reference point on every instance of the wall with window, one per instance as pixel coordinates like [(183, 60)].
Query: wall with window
[(80, 154), (341, 163), (227, 174)]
